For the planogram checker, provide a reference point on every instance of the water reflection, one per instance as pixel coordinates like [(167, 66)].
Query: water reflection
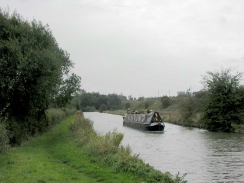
[(204, 156), (225, 156)]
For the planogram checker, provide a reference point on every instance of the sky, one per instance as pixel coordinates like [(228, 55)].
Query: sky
[(143, 48)]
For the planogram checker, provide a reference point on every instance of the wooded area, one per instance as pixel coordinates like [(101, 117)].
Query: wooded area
[(34, 75)]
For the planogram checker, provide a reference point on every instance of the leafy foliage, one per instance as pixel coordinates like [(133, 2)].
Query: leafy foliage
[(4, 139), (94, 99), (32, 68), (184, 93), (127, 105), (187, 108), (102, 108), (165, 100), (68, 87), (114, 101), (141, 98), (223, 103), (146, 105), (89, 109)]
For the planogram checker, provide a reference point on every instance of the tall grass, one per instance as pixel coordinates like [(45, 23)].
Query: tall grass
[(15, 133), (54, 157), (4, 139), (55, 116), (111, 153)]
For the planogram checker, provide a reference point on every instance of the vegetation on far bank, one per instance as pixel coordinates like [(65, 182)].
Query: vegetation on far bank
[(219, 106)]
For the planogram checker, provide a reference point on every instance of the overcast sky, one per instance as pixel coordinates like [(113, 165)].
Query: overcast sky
[(143, 47)]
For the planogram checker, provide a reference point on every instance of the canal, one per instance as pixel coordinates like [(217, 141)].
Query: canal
[(204, 156)]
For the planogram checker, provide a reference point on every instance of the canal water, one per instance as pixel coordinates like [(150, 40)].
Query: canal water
[(204, 156)]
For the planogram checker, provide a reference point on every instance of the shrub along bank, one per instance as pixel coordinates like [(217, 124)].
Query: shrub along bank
[(19, 134), (219, 106), (108, 151)]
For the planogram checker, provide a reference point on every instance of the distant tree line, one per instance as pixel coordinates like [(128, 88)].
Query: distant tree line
[(88, 102)]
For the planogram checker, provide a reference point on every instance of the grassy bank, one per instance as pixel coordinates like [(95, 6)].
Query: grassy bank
[(55, 157), (108, 151), (14, 133)]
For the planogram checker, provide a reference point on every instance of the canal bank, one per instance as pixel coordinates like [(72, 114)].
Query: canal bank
[(175, 118), (204, 156), (56, 157)]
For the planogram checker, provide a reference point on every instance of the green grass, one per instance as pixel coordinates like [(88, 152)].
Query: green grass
[(107, 150), (54, 157)]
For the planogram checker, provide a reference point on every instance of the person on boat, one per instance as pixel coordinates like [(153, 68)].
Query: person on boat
[(128, 111)]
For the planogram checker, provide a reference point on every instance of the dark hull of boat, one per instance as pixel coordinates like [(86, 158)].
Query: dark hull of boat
[(144, 127), (156, 128)]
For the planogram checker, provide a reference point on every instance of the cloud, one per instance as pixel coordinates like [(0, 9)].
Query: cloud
[(142, 47)]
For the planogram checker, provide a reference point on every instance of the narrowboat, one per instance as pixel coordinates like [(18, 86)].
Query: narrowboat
[(151, 121)]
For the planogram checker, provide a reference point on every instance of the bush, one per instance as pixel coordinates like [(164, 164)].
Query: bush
[(104, 145), (146, 105), (165, 102), (55, 116), (224, 100), (4, 139), (102, 108), (19, 132), (82, 129), (187, 108), (127, 105), (89, 109)]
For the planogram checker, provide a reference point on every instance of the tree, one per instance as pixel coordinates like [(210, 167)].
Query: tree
[(184, 94), (122, 97), (146, 105), (102, 99), (141, 98), (187, 108), (127, 105), (223, 102), (89, 109), (114, 101), (92, 99), (69, 87), (32, 68), (102, 108), (165, 100), (130, 97), (86, 99)]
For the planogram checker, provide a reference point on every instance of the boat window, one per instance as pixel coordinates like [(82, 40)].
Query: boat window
[(156, 117)]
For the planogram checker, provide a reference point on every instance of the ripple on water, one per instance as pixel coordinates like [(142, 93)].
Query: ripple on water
[(204, 156)]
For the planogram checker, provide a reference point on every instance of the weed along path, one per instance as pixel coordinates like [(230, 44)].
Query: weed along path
[(54, 157)]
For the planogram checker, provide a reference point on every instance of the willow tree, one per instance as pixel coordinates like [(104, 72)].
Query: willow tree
[(224, 101), (32, 68)]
